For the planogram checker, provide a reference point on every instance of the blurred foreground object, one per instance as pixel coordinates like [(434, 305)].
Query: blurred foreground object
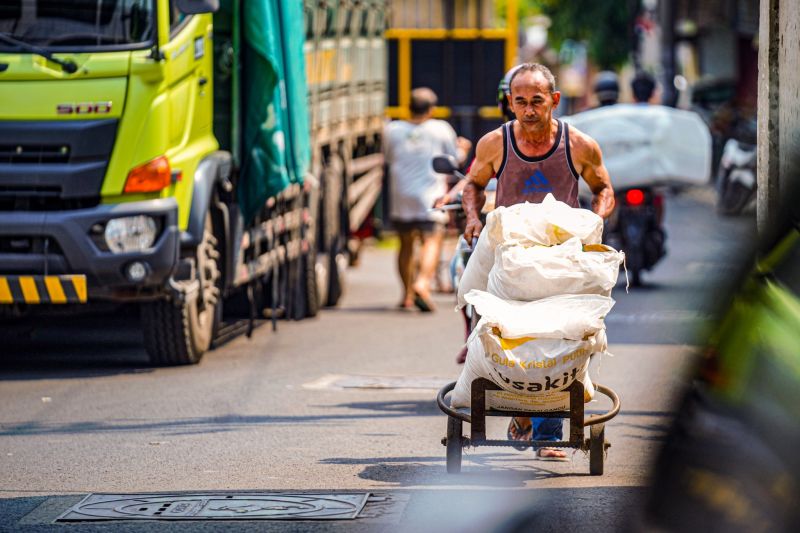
[(730, 462)]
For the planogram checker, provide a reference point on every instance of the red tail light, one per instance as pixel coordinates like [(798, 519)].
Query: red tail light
[(634, 197)]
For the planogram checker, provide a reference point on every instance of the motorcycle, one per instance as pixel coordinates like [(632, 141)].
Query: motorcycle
[(446, 164), (736, 176), (636, 227)]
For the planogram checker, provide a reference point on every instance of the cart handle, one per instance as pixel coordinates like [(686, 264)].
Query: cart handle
[(449, 411), (605, 417)]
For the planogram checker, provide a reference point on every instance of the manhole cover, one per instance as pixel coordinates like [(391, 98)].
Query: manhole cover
[(243, 506), (397, 383)]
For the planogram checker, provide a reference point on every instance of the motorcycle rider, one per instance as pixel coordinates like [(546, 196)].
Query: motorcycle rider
[(606, 88), (535, 142), (643, 86)]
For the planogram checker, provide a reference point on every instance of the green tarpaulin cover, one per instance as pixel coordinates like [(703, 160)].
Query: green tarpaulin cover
[(276, 141)]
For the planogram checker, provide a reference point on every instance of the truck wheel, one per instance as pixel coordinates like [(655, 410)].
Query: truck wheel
[(309, 282), (307, 293), (180, 334), (336, 266)]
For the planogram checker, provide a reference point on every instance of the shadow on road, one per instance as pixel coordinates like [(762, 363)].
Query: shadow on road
[(410, 408), (477, 470), (63, 346)]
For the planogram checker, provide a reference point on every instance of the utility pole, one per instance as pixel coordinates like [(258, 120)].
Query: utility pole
[(769, 121), (666, 17)]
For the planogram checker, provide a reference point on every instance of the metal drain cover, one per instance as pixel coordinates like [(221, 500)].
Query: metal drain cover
[(217, 506)]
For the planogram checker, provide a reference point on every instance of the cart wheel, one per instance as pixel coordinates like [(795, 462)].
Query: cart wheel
[(597, 449), (453, 445)]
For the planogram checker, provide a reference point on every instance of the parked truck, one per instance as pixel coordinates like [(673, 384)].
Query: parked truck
[(183, 154), (459, 48)]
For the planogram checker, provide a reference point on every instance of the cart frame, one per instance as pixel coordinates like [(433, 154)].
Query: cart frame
[(596, 444)]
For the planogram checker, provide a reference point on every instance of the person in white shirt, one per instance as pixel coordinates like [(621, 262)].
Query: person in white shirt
[(409, 147)]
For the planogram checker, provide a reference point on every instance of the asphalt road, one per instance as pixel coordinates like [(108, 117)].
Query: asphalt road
[(344, 402)]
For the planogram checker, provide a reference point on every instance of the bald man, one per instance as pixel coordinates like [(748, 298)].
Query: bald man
[(532, 156)]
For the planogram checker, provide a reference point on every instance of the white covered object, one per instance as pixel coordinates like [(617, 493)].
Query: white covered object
[(533, 350), (648, 144), (571, 316), (548, 223), (532, 272)]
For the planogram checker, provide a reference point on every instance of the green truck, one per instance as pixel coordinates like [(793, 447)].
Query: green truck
[(184, 154)]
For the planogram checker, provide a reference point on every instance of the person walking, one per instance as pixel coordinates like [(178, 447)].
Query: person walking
[(409, 148), (532, 156)]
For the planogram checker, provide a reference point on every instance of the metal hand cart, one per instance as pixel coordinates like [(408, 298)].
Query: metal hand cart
[(476, 415)]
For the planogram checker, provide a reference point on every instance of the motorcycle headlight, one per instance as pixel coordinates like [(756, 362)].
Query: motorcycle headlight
[(130, 234)]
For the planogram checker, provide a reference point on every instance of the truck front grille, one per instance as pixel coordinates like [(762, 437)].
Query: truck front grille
[(54, 165), (34, 153)]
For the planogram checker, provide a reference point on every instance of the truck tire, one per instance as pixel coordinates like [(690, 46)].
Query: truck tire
[(181, 334), (337, 264), (308, 265), (306, 297)]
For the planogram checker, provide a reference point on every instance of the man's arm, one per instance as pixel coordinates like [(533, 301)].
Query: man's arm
[(588, 160), (488, 154)]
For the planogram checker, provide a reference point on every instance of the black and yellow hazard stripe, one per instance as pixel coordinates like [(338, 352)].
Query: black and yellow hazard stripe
[(43, 289)]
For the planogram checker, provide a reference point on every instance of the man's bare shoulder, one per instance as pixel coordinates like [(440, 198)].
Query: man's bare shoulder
[(490, 143), (582, 146)]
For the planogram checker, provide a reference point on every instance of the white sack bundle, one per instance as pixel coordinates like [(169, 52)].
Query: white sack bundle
[(533, 350), (570, 317), (648, 144), (532, 272), (548, 223), (533, 373)]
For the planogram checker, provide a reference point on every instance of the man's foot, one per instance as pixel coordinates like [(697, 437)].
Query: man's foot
[(551, 454), (406, 304), (520, 429)]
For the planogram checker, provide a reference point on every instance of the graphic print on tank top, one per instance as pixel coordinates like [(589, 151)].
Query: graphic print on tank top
[(537, 182), (529, 179)]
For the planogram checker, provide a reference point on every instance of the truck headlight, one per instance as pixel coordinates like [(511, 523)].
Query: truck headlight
[(130, 234)]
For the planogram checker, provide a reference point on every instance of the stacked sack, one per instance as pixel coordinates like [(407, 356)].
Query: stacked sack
[(549, 281)]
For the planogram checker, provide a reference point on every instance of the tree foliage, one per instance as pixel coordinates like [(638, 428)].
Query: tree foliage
[(604, 25)]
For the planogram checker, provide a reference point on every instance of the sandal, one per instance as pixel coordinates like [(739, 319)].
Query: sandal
[(551, 457), (424, 304), (521, 434)]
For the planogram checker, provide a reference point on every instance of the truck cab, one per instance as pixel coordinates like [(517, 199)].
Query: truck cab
[(176, 153)]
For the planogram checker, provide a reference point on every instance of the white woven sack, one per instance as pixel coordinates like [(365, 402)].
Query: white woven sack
[(570, 316), (548, 223), (533, 272), (528, 379), (533, 350)]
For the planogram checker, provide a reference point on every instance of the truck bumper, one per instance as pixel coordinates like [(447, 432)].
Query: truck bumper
[(68, 242)]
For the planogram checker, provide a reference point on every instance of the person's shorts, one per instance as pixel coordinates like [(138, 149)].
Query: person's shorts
[(423, 226)]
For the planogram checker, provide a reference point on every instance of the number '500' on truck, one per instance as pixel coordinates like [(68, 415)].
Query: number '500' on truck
[(173, 153)]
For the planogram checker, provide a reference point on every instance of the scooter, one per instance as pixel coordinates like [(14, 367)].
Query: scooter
[(446, 164), (636, 227), (736, 176)]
